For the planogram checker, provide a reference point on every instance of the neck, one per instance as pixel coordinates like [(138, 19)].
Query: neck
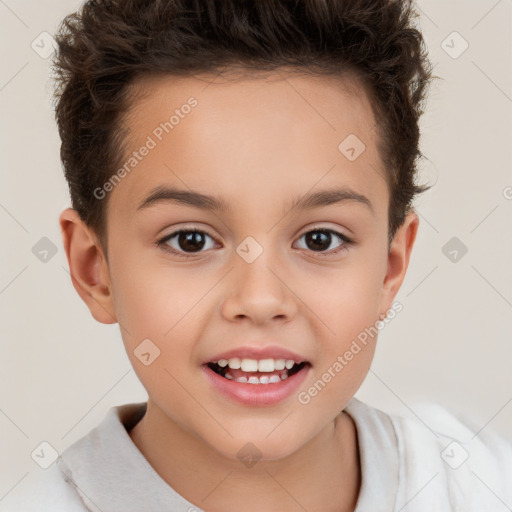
[(324, 474)]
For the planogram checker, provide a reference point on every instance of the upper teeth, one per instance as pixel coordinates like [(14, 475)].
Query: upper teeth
[(255, 365)]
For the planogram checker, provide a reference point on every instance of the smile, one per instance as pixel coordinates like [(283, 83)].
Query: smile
[(254, 371), (256, 381)]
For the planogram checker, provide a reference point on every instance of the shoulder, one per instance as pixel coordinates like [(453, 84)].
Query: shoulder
[(470, 465), (43, 490), (433, 460)]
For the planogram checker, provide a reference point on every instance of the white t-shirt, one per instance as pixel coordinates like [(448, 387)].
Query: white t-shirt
[(432, 463)]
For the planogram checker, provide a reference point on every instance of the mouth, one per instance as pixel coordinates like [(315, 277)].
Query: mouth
[(257, 375), (254, 371)]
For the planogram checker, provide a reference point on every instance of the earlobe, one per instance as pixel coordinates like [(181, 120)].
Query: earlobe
[(87, 266), (398, 259)]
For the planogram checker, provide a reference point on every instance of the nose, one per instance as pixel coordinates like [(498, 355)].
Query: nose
[(260, 291)]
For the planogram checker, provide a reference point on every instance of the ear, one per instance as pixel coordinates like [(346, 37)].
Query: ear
[(87, 266), (398, 260)]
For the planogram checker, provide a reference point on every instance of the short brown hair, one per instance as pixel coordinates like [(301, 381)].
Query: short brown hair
[(107, 44)]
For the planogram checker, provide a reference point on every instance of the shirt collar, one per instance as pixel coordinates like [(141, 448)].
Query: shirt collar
[(110, 473), (378, 453)]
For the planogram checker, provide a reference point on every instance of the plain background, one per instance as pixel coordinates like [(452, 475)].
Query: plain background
[(61, 370)]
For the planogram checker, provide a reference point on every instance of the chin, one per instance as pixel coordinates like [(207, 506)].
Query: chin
[(249, 450)]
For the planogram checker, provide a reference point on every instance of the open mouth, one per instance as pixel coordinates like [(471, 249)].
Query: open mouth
[(256, 372)]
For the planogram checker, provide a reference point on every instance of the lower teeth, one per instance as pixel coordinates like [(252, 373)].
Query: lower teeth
[(261, 380)]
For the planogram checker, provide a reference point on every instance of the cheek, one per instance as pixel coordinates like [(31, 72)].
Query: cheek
[(162, 323), (157, 312), (346, 300), (150, 298), (347, 304)]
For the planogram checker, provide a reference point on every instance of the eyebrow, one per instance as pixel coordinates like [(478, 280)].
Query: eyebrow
[(188, 197), (205, 202)]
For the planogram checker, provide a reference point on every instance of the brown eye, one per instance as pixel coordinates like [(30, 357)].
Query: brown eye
[(318, 240), (191, 241), (185, 242), (321, 241)]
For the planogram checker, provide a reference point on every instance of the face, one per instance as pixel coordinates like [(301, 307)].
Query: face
[(256, 271)]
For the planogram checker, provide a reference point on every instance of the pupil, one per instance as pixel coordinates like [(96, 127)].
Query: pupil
[(318, 239), (192, 239)]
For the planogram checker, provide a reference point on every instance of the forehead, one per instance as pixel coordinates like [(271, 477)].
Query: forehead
[(263, 137)]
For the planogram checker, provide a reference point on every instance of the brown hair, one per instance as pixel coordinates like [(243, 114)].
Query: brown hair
[(107, 44)]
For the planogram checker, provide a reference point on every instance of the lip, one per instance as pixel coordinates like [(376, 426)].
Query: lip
[(257, 394), (268, 352)]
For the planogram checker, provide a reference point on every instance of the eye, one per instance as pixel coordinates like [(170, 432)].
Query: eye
[(185, 242), (320, 239)]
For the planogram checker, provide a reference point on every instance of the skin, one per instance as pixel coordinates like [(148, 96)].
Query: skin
[(257, 142)]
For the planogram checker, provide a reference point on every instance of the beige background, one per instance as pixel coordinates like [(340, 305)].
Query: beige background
[(452, 344)]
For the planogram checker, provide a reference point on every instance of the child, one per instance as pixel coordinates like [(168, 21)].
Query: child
[(281, 139)]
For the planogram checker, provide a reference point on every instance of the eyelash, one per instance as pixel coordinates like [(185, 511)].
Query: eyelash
[(162, 243)]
